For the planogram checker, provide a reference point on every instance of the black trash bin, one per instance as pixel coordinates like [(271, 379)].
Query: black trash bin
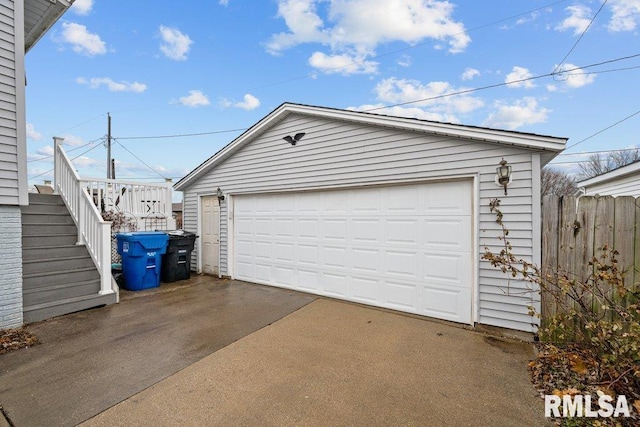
[(176, 262)]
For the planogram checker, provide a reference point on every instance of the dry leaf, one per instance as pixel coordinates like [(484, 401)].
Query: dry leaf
[(636, 405)]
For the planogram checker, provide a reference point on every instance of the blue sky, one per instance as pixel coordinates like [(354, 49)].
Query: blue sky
[(215, 67)]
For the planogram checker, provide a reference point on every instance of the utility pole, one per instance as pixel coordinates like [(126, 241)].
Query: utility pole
[(109, 167)]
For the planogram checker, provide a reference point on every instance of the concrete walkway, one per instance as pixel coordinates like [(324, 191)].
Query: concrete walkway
[(334, 363), (92, 360)]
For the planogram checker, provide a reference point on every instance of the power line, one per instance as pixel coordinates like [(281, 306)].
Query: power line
[(184, 135), (139, 159), (68, 151), (393, 52), (604, 130), (598, 152), (580, 38), (51, 170)]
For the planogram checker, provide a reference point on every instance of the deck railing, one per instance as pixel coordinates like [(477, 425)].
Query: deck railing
[(147, 205), (93, 231)]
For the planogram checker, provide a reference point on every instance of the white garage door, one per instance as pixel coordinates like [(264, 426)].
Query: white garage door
[(407, 248)]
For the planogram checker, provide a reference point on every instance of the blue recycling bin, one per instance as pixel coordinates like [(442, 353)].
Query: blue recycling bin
[(142, 258)]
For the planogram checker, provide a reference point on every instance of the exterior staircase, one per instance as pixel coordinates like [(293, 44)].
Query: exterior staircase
[(59, 276)]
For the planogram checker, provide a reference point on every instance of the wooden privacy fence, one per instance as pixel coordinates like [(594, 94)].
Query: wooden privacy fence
[(575, 229)]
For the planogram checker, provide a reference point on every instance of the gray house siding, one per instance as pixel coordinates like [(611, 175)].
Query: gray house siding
[(13, 187), (623, 186), (12, 161), (336, 154)]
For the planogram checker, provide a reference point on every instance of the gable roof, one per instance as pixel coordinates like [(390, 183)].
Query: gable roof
[(39, 16), (549, 144), (633, 168)]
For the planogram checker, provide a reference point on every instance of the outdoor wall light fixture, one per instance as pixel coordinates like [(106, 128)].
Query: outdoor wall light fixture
[(219, 194), (297, 137), (503, 175)]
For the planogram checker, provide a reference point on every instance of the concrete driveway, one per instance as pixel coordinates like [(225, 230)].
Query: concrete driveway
[(324, 362)]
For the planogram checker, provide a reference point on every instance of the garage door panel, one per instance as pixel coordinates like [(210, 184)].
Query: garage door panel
[(334, 257), (365, 290), (403, 200), (285, 276), (335, 284), (450, 234), (244, 270), (366, 230), (308, 280), (244, 226), (366, 201), (245, 248), (335, 230), (446, 303), (402, 232), (334, 202), (445, 269), (401, 296), (308, 228), (407, 247), (366, 260), (284, 227), (284, 252), (308, 255), (262, 250), (263, 272)]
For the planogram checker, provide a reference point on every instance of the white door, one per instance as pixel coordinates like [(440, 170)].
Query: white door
[(407, 248), (210, 235)]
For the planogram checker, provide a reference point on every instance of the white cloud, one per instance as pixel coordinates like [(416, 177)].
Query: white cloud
[(47, 151), (32, 133), (573, 79), (195, 99), (113, 86), (224, 2), (175, 44), (357, 27), (437, 104), (81, 40), (470, 74), (82, 7), (404, 61), (578, 20), (342, 64), (517, 75), (523, 112), (83, 161), (248, 103), (73, 141), (626, 15), (436, 95)]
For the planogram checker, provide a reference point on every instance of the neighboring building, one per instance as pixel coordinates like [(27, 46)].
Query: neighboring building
[(23, 23), (176, 209), (623, 181), (381, 210)]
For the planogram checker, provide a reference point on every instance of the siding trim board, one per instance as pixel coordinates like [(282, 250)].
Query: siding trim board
[(343, 151)]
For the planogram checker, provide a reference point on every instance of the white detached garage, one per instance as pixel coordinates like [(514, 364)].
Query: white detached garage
[(387, 211)]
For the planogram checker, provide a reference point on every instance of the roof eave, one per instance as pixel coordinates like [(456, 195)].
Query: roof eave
[(553, 145), (610, 176), (55, 10)]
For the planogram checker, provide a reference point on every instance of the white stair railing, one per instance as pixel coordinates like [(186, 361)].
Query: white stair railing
[(93, 231)]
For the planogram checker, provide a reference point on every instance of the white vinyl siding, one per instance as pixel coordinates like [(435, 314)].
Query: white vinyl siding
[(623, 186), (12, 135), (341, 154)]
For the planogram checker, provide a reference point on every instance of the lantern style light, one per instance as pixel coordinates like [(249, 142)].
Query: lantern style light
[(220, 194), (503, 173)]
